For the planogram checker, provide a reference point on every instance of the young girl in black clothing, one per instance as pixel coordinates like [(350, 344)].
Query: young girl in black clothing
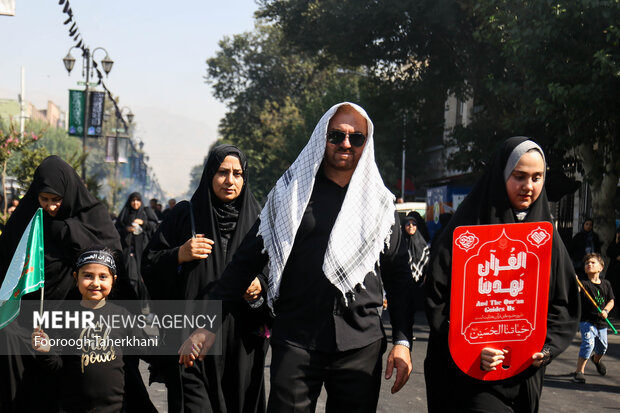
[(94, 377), (510, 190)]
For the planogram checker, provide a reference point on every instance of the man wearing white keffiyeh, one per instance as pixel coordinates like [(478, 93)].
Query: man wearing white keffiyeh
[(331, 237)]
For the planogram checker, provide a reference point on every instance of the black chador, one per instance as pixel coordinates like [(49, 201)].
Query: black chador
[(232, 382), (134, 242), (449, 389), (81, 222)]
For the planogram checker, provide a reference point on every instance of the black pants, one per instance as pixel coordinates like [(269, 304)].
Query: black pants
[(352, 378)]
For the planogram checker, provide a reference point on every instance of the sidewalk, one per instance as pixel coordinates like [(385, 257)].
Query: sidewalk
[(560, 394)]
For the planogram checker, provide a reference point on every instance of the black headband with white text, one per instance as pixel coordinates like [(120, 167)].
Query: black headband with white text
[(97, 257)]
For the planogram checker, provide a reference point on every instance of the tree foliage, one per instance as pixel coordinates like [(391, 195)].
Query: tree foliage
[(546, 69), (50, 140), (274, 98), (555, 76)]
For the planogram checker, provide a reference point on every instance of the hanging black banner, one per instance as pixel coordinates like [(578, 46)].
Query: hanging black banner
[(95, 113)]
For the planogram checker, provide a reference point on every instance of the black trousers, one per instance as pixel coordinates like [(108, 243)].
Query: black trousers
[(351, 378)]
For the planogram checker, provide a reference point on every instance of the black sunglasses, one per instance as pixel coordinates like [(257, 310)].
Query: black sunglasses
[(336, 137)]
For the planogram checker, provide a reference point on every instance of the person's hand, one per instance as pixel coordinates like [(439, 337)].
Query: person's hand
[(196, 346), (490, 358), (138, 221), (604, 314), (253, 291), (538, 359), (40, 341), (130, 228), (399, 358), (195, 249)]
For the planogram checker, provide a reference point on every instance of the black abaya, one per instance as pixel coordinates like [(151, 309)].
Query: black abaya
[(81, 222), (232, 382), (449, 389), (134, 243)]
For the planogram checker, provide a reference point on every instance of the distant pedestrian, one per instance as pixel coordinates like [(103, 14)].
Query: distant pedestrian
[(417, 247), (136, 224), (171, 203), (153, 205), (593, 326), (584, 242), (416, 237)]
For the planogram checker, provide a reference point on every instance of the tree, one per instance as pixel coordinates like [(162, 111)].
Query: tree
[(544, 69), (50, 140), (554, 76), (194, 177), (274, 99), (11, 143), (411, 53)]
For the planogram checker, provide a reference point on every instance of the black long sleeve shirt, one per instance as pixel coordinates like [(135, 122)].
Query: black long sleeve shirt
[(310, 311)]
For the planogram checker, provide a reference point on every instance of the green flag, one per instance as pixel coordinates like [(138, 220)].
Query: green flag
[(25, 274)]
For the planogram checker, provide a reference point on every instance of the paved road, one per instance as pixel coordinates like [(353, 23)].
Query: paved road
[(600, 394)]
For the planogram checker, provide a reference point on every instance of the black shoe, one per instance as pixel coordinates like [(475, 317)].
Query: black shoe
[(579, 377), (600, 367)]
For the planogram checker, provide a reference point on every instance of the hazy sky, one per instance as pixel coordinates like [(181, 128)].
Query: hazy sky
[(159, 50)]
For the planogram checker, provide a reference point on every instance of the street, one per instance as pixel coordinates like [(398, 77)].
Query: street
[(560, 394)]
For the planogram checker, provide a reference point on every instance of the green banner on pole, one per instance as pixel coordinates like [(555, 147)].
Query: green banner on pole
[(26, 271), (77, 104)]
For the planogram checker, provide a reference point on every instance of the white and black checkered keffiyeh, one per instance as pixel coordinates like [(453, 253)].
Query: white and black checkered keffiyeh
[(362, 228)]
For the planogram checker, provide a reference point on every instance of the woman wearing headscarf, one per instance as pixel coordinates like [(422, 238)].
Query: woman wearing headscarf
[(178, 265), (73, 219), (417, 246), (509, 191), (414, 230), (136, 224)]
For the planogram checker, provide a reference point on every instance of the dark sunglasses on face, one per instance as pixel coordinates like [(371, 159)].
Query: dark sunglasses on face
[(336, 137)]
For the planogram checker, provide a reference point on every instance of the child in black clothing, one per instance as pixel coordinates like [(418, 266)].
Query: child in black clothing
[(94, 374), (592, 325)]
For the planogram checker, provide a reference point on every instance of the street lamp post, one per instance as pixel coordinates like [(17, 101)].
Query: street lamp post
[(87, 62), (119, 116)]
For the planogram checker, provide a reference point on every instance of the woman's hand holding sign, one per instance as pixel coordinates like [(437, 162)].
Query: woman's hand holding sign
[(490, 358)]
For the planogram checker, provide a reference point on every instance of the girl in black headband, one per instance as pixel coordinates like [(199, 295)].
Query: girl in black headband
[(93, 376)]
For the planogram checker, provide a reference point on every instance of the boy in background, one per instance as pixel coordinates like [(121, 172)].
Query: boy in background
[(592, 325)]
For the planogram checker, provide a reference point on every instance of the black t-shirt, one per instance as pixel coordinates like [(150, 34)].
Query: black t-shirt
[(602, 294), (94, 380), (310, 312)]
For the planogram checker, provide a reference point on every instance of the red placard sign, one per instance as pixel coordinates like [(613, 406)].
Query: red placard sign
[(499, 295)]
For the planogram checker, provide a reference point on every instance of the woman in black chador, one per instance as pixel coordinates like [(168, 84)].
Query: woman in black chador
[(73, 219), (135, 224), (178, 266), (417, 245), (509, 191), (417, 238)]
